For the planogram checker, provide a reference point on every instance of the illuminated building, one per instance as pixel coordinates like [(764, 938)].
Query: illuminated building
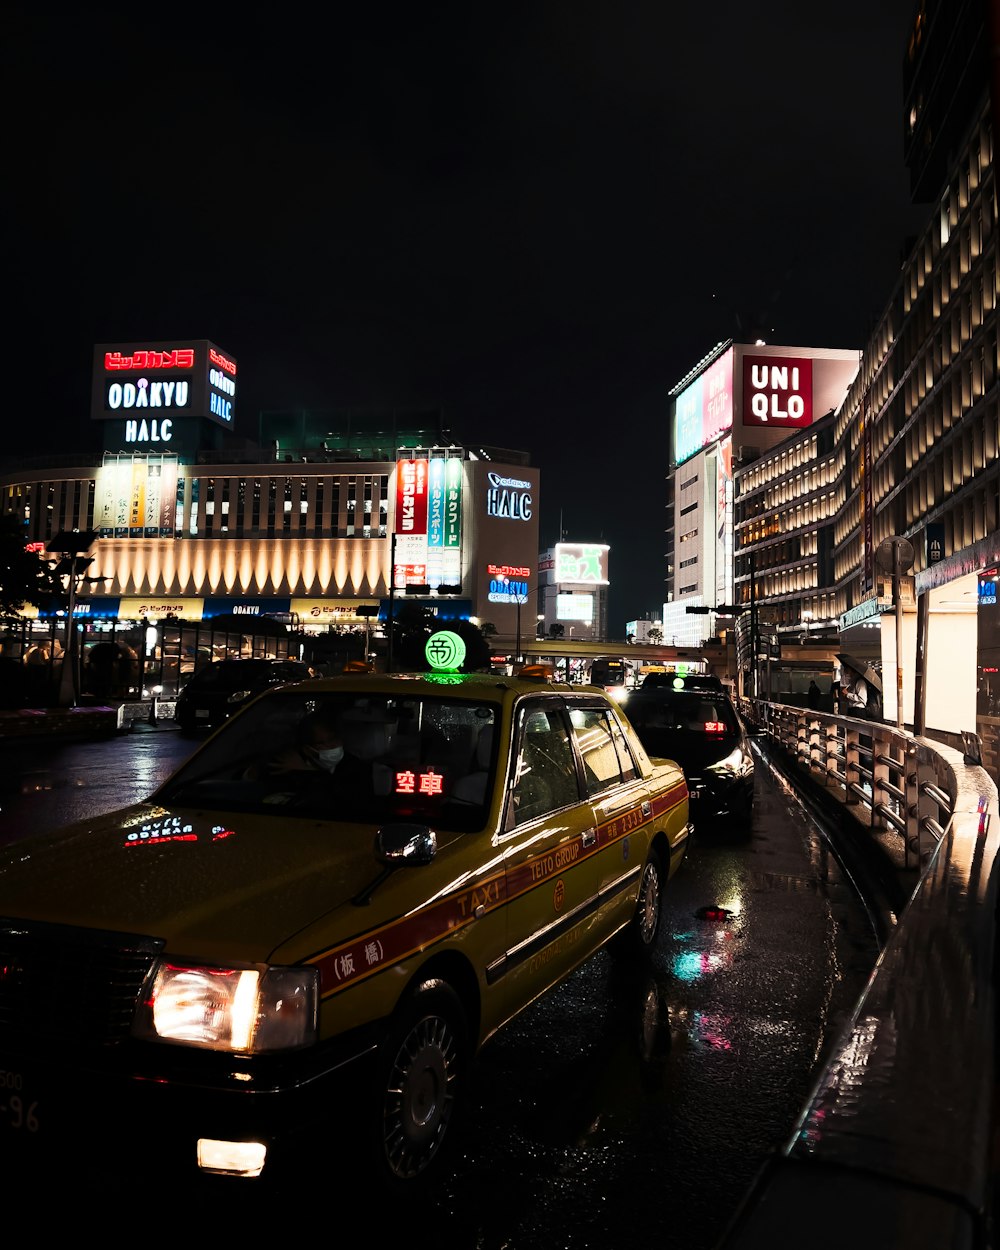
[(301, 523), (574, 590), (740, 402), (911, 450)]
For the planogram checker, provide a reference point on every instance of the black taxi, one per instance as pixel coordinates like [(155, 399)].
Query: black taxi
[(305, 935)]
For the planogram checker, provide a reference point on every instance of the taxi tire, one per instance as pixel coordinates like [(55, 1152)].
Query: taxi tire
[(638, 938), (422, 1077)]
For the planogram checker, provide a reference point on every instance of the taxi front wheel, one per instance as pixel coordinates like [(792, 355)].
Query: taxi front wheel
[(422, 1083), (639, 936)]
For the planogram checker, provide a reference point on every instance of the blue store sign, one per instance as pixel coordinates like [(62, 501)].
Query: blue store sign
[(934, 537), (250, 608)]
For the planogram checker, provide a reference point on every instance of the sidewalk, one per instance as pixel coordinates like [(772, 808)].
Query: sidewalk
[(90, 721)]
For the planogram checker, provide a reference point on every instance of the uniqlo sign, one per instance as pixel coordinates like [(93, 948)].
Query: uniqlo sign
[(777, 391)]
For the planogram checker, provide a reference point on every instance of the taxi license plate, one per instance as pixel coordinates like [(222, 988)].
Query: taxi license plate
[(19, 1111), (202, 713)]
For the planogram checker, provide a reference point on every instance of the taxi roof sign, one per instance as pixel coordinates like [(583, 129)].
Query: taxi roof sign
[(445, 651)]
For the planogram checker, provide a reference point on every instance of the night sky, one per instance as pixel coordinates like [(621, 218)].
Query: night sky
[(537, 217)]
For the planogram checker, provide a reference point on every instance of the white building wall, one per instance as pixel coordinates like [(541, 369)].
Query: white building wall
[(951, 657)]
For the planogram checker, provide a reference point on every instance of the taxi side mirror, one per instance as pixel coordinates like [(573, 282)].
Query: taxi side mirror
[(404, 843), (396, 846)]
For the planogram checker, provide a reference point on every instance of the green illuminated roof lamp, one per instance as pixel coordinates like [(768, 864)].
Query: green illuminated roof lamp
[(445, 652)]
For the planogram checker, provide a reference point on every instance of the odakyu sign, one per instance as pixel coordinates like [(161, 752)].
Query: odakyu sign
[(250, 608), (507, 590), (147, 383), (777, 391)]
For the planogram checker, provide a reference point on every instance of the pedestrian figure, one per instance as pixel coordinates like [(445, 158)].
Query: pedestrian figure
[(855, 692), (814, 695)]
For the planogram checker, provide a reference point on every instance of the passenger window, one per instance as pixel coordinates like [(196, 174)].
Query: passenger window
[(629, 770), (595, 737), (545, 779)]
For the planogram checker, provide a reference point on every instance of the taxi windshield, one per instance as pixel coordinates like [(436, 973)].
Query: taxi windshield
[(349, 755)]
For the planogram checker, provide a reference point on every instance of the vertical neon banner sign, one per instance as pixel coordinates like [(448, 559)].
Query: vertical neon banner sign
[(436, 491), (453, 521)]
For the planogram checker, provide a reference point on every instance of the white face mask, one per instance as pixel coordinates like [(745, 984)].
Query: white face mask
[(331, 757)]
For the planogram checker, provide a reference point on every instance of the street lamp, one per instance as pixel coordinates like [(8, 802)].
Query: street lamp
[(737, 609), (519, 598), (367, 610)]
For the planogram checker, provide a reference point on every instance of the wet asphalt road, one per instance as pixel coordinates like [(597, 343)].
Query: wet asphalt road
[(622, 1111)]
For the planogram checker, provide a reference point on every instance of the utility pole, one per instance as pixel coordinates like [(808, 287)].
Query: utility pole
[(754, 641), (895, 555), (368, 610), (392, 601)]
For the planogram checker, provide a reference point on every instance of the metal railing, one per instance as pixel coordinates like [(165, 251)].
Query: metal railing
[(900, 1128), (887, 779)]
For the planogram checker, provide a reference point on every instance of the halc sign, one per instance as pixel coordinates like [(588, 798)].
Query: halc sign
[(508, 497)]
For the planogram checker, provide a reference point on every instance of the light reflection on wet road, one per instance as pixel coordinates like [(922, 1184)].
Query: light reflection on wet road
[(622, 1110), (44, 784)]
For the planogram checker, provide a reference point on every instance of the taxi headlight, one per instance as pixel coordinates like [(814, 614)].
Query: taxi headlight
[(248, 1010)]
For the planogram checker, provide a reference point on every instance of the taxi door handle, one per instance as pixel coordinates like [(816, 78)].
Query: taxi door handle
[(589, 837), (647, 808)]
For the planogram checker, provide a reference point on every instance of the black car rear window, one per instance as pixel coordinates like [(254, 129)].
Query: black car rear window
[(230, 674), (691, 711)]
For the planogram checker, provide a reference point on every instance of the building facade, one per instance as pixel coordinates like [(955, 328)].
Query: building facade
[(325, 519), (739, 401), (573, 595), (909, 461)]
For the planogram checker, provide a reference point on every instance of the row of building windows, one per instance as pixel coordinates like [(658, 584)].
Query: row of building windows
[(966, 180), (944, 348), (345, 507)]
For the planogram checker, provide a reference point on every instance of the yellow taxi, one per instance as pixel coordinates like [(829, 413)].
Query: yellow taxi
[(306, 934)]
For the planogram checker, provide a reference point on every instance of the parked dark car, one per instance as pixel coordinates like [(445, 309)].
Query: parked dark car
[(701, 730), (216, 692)]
